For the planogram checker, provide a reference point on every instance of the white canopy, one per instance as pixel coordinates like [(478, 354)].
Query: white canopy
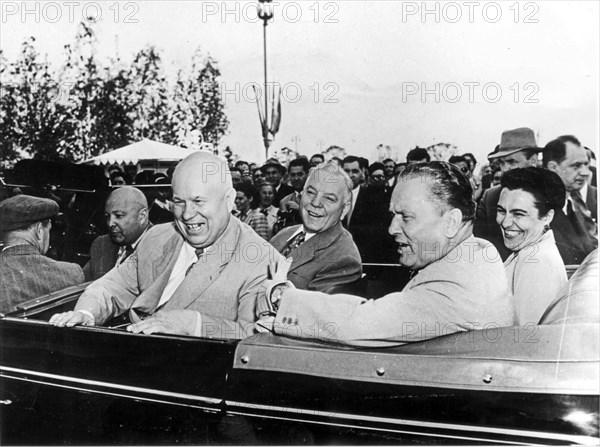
[(142, 150)]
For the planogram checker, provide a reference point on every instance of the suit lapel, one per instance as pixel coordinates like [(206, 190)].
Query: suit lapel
[(207, 269), (162, 266), (307, 251)]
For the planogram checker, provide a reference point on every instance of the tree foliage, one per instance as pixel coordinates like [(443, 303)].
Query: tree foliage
[(86, 107)]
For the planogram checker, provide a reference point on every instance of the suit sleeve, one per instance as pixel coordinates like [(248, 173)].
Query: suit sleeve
[(251, 303), (397, 318), (113, 294)]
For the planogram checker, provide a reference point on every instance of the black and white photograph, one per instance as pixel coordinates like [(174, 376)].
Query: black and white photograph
[(306, 222)]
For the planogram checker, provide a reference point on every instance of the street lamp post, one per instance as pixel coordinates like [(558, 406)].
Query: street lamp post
[(269, 124)]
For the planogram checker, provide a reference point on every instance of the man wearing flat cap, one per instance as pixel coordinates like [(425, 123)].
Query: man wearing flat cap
[(517, 149), (25, 273)]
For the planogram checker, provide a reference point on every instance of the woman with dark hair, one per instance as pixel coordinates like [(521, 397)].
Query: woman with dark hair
[(535, 270), (246, 202)]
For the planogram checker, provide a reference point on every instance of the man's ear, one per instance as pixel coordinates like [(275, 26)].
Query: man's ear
[(346, 208), (39, 230), (552, 166), (454, 218), (230, 199), (143, 215)]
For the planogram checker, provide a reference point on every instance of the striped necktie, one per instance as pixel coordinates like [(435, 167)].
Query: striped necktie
[(293, 244)]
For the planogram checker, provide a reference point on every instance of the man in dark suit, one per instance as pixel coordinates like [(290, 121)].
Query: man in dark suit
[(274, 173), (289, 206), (322, 251), (575, 226), (126, 213), (25, 272), (517, 149), (368, 218)]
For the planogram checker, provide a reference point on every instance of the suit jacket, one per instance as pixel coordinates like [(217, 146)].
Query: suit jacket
[(223, 285), (592, 201), (284, 190), (25, 274), (369, 225), (325, 260), (465, 290), (103, 257), (572, 245), (486, 226)]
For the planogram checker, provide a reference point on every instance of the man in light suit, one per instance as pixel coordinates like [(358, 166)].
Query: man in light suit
[(459, 282), (326, 256), (575, 226), (200, 276), (126, 213)]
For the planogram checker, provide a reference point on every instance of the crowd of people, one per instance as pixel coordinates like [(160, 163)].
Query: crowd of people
[(227, 251)]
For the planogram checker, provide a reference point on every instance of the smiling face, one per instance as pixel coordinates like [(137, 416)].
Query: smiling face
[(419, 226), (324, 201), (272, 175), (202, 199), (519, 219), (574, 169)]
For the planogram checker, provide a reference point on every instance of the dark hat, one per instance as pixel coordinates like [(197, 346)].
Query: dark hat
[(22, 210), (279, 166), (514, 141)]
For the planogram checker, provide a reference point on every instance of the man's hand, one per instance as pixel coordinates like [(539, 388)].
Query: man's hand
[(291, 205), (277, 283), (180, 322), (70, 319)]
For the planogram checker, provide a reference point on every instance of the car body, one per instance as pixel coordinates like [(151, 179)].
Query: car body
[(536, 384)]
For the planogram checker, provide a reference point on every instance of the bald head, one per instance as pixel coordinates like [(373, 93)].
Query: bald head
[(126, 214), (203, 198), (130, 195), (207, 168)]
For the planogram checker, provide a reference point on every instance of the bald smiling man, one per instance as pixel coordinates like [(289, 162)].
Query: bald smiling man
[(200, 275), (126, 214)]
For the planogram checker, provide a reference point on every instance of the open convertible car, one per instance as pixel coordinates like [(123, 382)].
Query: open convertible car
[(535, 384)]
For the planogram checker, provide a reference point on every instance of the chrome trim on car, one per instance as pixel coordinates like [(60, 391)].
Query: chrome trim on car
[(574, 439), (133, 389)]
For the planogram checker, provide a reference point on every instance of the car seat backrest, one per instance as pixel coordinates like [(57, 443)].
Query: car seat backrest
[(578, 302)]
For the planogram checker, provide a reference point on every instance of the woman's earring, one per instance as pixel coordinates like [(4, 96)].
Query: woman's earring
[(546, 228)]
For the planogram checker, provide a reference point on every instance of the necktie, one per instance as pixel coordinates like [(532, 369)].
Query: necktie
[(265, 211), (293, 243), (199, 252), (128, 252), (581, 211)]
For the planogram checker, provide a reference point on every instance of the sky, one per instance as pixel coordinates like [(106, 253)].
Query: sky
[(358, 74)]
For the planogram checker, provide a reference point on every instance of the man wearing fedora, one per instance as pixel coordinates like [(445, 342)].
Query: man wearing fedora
[(25, 273), (517, 149)]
